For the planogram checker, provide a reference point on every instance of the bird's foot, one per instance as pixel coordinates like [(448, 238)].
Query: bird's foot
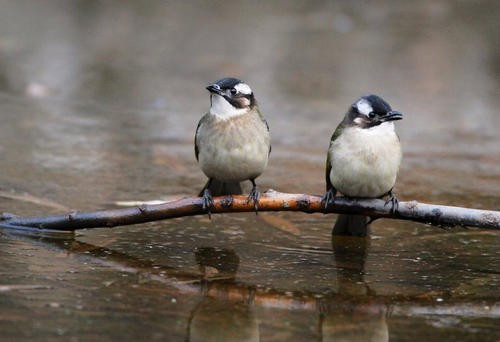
[(393, 201), (208, 202), (254, 196), (329, 198)]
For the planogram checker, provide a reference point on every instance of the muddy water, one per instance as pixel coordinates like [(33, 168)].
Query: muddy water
[(99, 103)]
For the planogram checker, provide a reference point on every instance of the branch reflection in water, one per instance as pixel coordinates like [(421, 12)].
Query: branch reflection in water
[(217, 298), (228, 309)]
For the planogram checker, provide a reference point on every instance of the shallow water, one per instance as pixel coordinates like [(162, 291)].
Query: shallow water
[(99, 103)]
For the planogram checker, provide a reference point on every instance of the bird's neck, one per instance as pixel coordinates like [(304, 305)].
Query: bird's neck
[(222, 109), (379, 130)]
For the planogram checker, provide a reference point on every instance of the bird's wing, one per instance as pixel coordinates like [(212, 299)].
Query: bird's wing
[(196, 149), (328, 169), (267, 125), (329, 184)]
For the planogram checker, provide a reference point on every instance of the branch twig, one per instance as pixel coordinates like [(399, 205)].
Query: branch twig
[(269, 201)]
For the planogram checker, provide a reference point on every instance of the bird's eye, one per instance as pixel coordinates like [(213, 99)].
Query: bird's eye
[(371, 115), (233, 91)]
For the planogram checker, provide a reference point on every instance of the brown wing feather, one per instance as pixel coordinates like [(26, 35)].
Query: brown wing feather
[(196, 148), (335, 135), (265, 123)]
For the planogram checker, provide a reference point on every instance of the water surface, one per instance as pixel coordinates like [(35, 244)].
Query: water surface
[(99, 103)]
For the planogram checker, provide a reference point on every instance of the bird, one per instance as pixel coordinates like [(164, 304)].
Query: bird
[(363, 159), (232, 141)]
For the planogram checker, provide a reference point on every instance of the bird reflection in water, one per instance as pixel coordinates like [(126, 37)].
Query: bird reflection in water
[(216, 319), (353, 322)]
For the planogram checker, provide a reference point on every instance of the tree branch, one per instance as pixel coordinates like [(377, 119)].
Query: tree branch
[(270, 201)]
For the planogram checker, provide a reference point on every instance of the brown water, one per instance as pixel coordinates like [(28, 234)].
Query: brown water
[(99, 102)]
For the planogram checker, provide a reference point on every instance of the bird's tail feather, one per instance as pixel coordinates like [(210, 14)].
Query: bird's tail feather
[(354, 225), (218, 188)]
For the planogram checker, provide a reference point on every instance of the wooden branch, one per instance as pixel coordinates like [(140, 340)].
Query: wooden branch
[(269, 201)]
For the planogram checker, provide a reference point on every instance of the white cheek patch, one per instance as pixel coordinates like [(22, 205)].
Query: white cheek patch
[(364, 107), (358, 121), (244, 102), (243, 88), (223, 109)]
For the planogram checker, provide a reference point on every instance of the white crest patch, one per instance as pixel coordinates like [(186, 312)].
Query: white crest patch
[(243, 88), (364, 107), (223, 109)]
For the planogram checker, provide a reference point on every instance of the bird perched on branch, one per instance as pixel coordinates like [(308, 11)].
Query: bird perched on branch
[(363, 159), (232, 141)]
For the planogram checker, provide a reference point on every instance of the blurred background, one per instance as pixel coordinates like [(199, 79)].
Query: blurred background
[(99, 102)]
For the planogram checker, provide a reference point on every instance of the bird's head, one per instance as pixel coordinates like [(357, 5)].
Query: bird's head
[(230, 97), (370, 111)]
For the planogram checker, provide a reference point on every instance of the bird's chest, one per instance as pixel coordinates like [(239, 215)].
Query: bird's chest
[(234, 150), (233, 139), (365, 162)]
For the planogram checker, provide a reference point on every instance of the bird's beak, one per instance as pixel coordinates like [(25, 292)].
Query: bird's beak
[(391, 116), (214, 88)]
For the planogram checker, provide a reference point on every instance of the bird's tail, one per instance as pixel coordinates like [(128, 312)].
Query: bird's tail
[(218, 188), (354, 225)]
